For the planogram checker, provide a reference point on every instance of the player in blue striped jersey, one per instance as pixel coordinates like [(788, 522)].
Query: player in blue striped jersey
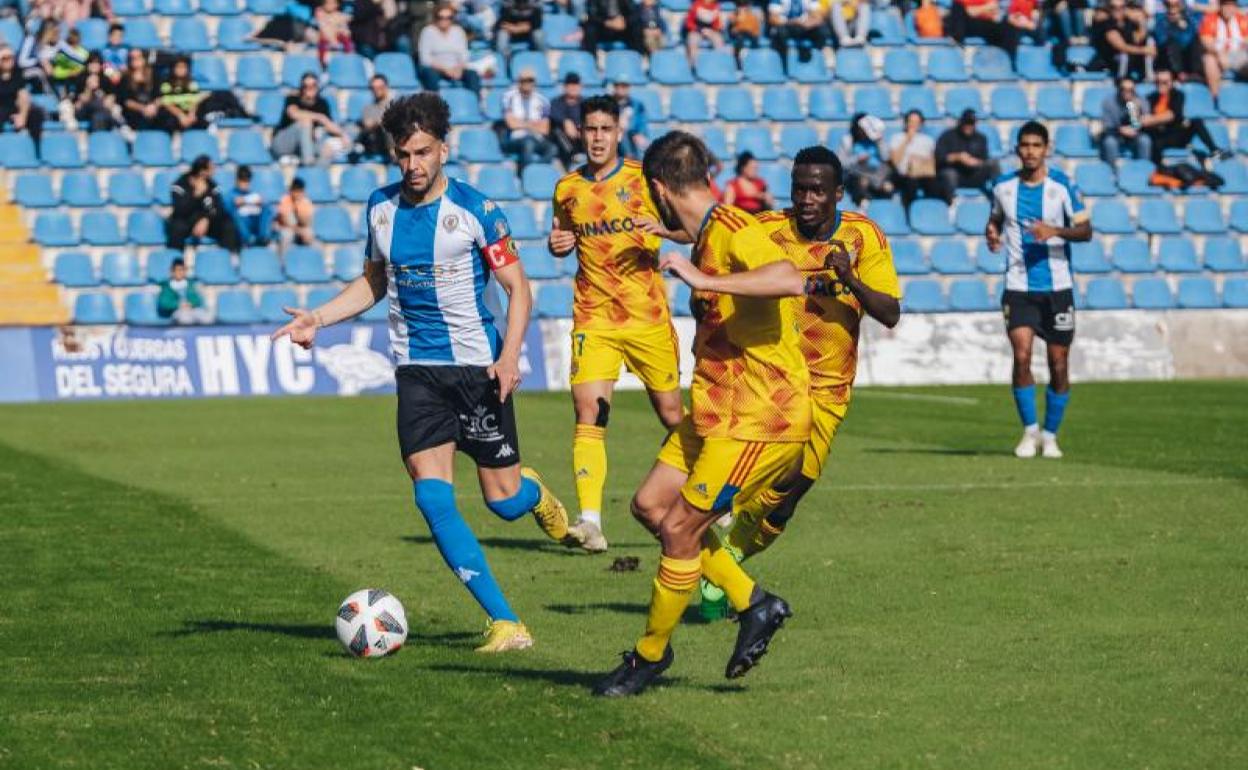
[(1037, 212), (433, 243)]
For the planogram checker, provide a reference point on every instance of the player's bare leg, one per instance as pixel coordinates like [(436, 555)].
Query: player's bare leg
[(1022, 338), (514, 491), (1056, 396)]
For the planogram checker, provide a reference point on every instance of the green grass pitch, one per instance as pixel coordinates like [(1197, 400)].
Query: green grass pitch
[(171, 572)]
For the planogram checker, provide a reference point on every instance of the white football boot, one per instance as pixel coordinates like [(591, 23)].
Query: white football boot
[(1029, 444), (1049, 449)]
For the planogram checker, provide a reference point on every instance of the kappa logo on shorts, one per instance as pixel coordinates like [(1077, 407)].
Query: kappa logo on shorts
[(504, 451)]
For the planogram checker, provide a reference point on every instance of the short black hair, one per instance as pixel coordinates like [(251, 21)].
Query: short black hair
[(243, 174), (679, 160), (1118, 81), (425, 111), (742, 160), (115, 28), (605, 104), (201, 163), (818, 155), (177, 262), (298, 184), (381, 77), (1034, 128), (914, 112)]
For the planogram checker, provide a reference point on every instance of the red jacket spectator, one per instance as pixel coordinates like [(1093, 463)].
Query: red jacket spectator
[(704, 14)]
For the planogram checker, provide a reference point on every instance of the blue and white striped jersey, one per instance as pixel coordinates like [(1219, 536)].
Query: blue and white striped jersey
[(1032, 265), (438, 258)]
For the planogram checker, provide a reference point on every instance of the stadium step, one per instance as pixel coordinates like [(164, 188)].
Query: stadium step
[(24, 304), (26, 295)]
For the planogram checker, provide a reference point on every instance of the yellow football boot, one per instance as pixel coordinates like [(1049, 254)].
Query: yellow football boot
[(551, 516), (506, 635)]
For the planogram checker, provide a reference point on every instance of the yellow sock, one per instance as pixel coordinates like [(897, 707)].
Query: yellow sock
[(743, 535), (673, 588), (719, 567), (589, 466)]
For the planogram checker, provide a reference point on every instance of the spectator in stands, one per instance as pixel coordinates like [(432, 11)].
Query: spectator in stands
[(1225, 36), (371, 139), (798, 23), (653, 25), (371, 24), (333, 28), (253, 218), (180, 299), (962, 156), (443, 52), (745, 28), (307, 127), (294, 215), (1065, 19), (634, 120), (1024, 16), (16, 107), (928, 22), (526, 114), (1121, 40), (198, 211), (180, 96), (519, 21), (138, 96), (613, 21), (565, 121), (68, 62), (115, 53), (865, 159), (847, 13), (1122, 123), (982, 18), (34, 58), (1179, 46), (95, 105), (478, 17), (747, 190), (1167, 125), (912, 154), (70, 12), (703, 21)]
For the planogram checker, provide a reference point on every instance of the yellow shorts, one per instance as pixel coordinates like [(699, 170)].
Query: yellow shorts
[(722, 470), (650, 352), (826, 417)]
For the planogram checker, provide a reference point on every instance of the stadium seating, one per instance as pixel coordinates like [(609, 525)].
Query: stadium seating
[(94, 308), (970, 295), (140, 310), (1224, 255), (1235, 293), (73, 269), (1105, 294), (949, 257), (1197, 292), (1152, 294), (272, 302), (923, 296), (237, 307)]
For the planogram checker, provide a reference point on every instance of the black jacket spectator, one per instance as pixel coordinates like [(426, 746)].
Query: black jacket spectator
[(1179, 130), (1120, 38), (613, 21), (198, 210), (962, 156), (565, 120), (16, 107)]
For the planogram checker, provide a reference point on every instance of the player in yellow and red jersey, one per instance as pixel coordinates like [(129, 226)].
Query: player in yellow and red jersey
[(604, 211), (750, 415), (849, 272)]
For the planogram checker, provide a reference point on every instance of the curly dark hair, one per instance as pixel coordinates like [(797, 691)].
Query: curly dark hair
[(425, 111), (818, 155)]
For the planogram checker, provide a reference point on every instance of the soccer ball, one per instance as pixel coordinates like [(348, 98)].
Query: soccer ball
[(371, 623)]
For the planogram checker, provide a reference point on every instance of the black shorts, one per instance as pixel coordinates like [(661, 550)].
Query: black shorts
[(455, 404), (1050, 313)]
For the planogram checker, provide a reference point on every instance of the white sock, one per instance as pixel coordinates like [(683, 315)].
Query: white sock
[(593, 516), (1049, 436), (1033, 428)]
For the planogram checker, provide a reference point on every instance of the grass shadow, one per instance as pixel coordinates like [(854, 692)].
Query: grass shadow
[(505, 543), (692, 614), (296, 630), (937, 451), (561, 677)]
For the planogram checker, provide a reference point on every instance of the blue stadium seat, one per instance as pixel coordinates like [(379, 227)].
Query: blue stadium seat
[(874, 100), (958, 100), (716, 141), (499, 183), (348, 263), (60, 150), (398, 68), (901, 65), (479, 145), (11, 29), (1224, 255), (793, 139), (190, 35), (669, 68), (814, 71), (1078, 59), (991, 64), (970, 295), (689, 105), (716, 68), (652, 102), (81, 189), (173, 7), (237, 307), (1177, 255), (763, 66), (248, 148), (1093, 98), (234, 35), (580, 62), (1152, 294), (887, 29), (1105, 294), (782, 104), (122, 269), (1035, 63), (853, 65), (358, 100), (1157, 217), (304, 264), (259, 264), (923, 296), (679, 300), (144, 227), (921, 98), (317, 184), (1204, 215), (221, 7), (908, 257), (1056, 103), (1239, 215), (321, 294), (1235, 292), (92, 307), (107, 149), (1199, 102), (158, 263), (1131, 255), (945, 65), (100, 228), (1089, 257), (990, 262), (153, 148), (562, 30), (930, 216), (295, 66), (523, 222), (890, 217), (1110, 217), (93, 32), (199, 142), (378, 313), (273, 300), (828, 104), (1010, 103), (331, 224), (255, 73), (779, 179), (34, 190), (756, 140), (1096, 179), (538, 263), (554, 300), (18, 151), (347, 70), (1235, 173), (532, 60), (214, 267), (1133, 176), (1233, 100), (950, 257), (269, 182), (209, 73), (357, 183), (73, 269), (626, 67), (141, 33), (735, 104), (539, 180)]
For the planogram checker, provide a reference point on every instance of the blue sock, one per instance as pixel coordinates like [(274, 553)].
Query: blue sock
[(1054, 409), (518, 504), (459, 547), (1025, 402)]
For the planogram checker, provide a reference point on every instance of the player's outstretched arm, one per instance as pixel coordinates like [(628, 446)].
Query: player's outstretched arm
[(1078, 233), (774, 279), (519, 306), (355, 298), (654, 227)]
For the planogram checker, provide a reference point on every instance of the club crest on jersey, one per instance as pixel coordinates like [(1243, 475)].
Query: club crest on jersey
[(450, 222), (622, 195)]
